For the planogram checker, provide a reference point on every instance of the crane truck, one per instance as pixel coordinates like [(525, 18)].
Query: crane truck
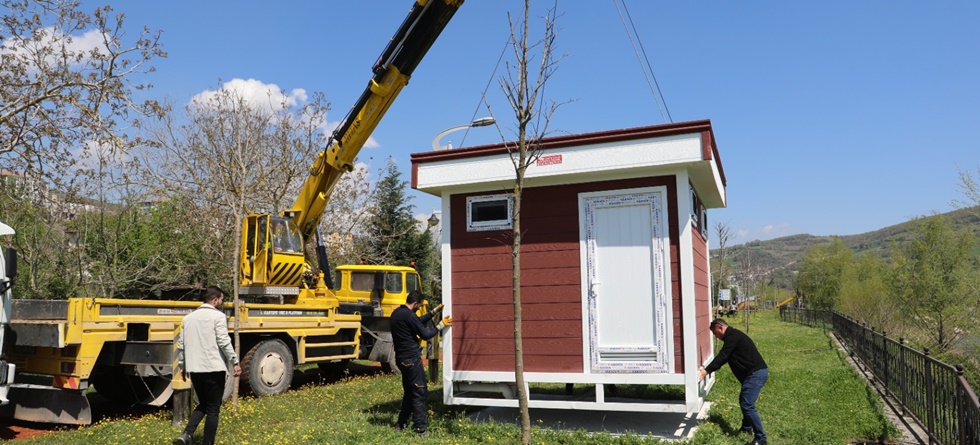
[(288, 312)]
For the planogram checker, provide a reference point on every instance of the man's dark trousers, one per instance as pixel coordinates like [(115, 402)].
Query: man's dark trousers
[(751, 388), (416, 392), (210, 387)]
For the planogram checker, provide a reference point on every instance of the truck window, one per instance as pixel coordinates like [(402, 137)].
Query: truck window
[(412, 283), (393, 282), (337, 276), (263, 224), (362, 281), (286, 236)]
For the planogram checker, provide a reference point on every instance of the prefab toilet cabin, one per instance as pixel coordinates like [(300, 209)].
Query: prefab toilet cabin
[(615, 279)]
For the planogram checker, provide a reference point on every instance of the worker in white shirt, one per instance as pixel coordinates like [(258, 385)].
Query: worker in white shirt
[(204, 350)]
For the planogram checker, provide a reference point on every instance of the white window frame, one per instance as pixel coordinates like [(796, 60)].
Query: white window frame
[(499, 224)]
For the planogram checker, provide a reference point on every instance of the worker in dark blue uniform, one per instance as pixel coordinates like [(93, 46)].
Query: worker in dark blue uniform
[(406, 330)]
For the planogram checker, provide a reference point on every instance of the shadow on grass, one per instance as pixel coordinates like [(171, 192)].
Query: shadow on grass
[(386, 414), (723, 424), (317, 377)]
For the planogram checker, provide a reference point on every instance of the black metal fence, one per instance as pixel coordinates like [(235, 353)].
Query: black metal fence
[(935, 393)]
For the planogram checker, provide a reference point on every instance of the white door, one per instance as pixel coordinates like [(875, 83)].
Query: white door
[(626, 258)]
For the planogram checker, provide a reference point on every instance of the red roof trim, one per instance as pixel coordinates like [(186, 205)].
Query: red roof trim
[(557, 142)]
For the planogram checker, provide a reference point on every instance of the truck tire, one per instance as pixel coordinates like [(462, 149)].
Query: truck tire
[(268, 368), (118, 385), (112, 384)]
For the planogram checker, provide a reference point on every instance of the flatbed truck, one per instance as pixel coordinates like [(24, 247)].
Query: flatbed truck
[(125, 350)]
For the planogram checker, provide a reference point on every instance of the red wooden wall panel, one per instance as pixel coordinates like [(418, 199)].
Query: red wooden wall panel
[(702, 297), (551, 293)]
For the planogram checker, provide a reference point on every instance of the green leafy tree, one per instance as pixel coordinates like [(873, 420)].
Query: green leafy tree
[(344, 225), (866, 296), (68, 80), (935, 280), (969, 187), (47, 267), (821, 272), (137, 250)]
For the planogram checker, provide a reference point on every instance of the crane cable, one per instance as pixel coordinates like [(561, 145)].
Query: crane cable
[(483, 94), (658, 96)]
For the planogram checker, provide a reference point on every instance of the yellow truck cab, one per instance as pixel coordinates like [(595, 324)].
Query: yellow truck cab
[(373, 292)]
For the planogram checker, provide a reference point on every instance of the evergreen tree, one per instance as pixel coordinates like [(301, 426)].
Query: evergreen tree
[(395, 235)]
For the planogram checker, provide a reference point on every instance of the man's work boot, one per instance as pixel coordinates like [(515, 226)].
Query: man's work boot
[(184, 439)]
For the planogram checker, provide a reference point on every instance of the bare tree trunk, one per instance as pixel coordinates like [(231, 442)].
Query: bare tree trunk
[(532, 124), (236, 282), (522, 396)]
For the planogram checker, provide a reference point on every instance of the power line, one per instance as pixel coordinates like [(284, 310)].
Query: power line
[(483, 95), (658, 96)]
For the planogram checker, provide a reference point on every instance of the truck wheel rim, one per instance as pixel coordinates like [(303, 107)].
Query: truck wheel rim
[(271, 369)]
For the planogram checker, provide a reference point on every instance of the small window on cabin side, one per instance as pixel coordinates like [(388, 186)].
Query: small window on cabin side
[(489, 212)]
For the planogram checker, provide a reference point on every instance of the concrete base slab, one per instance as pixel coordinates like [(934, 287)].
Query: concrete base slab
[(666, 426)]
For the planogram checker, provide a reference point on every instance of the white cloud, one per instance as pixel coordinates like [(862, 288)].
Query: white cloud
[(258, 94), (93, 39), (269, 96), (93, 154), (53, 39)]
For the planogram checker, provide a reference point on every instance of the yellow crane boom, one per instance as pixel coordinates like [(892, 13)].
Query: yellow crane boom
[(391, 73), (272, 259)]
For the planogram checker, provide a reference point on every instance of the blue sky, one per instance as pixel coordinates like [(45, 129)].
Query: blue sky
[(831, 117)]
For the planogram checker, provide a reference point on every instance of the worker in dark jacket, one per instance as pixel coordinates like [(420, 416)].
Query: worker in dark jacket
[(748, 367), (406, 330)]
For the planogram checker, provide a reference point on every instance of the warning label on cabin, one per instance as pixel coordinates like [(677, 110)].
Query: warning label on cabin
[(549, 160)]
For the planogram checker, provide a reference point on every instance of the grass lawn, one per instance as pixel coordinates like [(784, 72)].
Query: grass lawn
[(812, 397)]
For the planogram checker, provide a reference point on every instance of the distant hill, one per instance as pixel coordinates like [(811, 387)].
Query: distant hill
[(780, 257)]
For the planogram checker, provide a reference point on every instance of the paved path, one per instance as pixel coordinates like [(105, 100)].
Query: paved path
[(912, 432)]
